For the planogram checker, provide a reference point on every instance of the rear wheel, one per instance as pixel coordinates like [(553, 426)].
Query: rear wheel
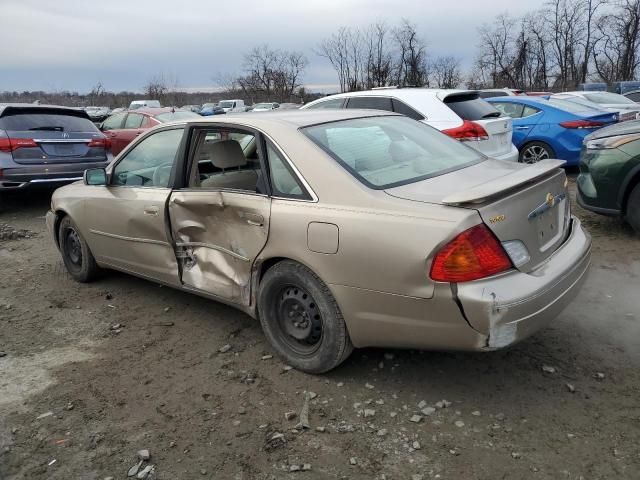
[(76, 254), (633, 209), (301, 319), (533, 152)]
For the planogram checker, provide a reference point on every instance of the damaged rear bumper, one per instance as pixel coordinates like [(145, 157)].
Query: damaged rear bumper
[(511, 307)]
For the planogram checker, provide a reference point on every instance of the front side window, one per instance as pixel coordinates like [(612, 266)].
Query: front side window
[(371, 103), (513, 110), (226, 159), (333, 103), (284, 183), (150, 163), (134, 120), (384, 152)]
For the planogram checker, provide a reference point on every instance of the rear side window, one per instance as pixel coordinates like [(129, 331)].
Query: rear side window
[(528, 111), (471, 107), (404, 109), (371, 103), (333, 103), (43, 121)]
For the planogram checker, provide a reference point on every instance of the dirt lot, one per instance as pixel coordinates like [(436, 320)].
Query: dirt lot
[(78, 399)]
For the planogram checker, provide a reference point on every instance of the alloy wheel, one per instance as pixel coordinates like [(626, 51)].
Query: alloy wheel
[(534, 153)]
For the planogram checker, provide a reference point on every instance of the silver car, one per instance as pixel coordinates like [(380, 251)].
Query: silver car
[(47, 145)]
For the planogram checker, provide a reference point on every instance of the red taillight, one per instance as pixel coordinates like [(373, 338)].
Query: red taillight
[(9, 145), (101, 142), (468, 131), (473, 254), (581, 124)]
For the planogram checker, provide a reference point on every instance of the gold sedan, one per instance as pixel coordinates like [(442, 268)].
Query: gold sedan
[(335, 229)]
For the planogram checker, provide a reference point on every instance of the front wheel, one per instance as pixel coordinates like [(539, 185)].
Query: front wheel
[(633, 209), (76, 255), (535, 151), (301, 319)]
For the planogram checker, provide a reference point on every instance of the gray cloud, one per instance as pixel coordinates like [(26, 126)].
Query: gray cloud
[(73, 44)]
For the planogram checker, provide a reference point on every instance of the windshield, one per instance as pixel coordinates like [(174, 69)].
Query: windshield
[(606, 97), (176, 116), (227, 104), (384, 152), (262, 105)]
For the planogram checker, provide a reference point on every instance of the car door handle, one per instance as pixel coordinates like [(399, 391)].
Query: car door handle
[(521, 128), (151, 210), (255, 223)]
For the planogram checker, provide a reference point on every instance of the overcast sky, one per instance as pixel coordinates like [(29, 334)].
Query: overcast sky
[(73, 44)]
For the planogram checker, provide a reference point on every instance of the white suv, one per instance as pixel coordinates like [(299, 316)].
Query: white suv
[(461, 114)]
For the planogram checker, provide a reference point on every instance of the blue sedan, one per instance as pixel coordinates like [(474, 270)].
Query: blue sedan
[(553, 128)]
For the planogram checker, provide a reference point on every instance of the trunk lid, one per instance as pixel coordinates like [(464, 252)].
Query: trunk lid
[(500, 131), (524, 203)]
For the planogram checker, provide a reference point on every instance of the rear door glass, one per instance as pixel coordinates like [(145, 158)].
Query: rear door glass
[(333, 103), (371, 103), (513, 110), (471, 107), (134, 120), (42, 121), (114, 122)]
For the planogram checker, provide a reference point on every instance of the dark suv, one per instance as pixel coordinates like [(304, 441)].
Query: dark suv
[(47, 145)]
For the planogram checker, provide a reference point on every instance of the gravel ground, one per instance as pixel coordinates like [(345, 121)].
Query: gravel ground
[(80, 395)]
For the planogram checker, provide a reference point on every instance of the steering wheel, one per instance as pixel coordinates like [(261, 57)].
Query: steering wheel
[(161, 175)]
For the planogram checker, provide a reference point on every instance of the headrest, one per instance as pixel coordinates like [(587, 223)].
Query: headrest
[(225, 154)]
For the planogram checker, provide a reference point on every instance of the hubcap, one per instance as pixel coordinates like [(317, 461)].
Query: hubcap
[(534, 154), (73, 247), (299, 319)]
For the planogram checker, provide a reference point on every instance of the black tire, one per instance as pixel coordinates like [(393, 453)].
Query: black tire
[(76, 255), (633, 209), (533, 152), (301, 319)]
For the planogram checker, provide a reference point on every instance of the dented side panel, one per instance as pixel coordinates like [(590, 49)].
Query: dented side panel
[(218, 235)]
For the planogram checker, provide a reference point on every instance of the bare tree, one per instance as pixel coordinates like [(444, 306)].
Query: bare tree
[(617, 50), (411, 68), (379, 58), (156, 87), (446, 72)]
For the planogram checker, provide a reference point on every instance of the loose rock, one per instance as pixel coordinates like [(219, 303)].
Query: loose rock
[(571, 388), (369, 412), (415, 418), (428, 411), (548, 369), (144, 454), (225, 348), (306, 467), (459, 423), (353, 461), (290, 415), (599, 376)]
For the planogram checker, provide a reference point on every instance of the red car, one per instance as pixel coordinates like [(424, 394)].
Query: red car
[(123, 127)]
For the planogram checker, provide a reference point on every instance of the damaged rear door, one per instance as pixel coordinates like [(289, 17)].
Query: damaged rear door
[(220, 219)]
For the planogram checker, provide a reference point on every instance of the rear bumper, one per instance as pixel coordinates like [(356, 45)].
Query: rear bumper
[(512, 156), (511, 307), (493, 313), (26, 176)]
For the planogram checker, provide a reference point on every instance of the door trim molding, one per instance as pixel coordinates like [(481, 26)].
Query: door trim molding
[(130, 239), (213, 247)]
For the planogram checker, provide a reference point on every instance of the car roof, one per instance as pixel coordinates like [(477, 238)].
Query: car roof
[(291, 118), (153, 111), (520, 99), (41, 107), (407, 93)]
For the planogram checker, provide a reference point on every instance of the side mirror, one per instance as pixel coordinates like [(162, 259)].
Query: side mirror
[(95, 176)]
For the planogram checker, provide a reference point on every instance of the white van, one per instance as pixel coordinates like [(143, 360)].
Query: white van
[(231, 106), (144, 104)]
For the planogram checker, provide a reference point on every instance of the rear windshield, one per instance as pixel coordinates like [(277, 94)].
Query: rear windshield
[(45, 121), (570, 105), (384, 152), (176, 116), (471, 107), (606, 97)]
